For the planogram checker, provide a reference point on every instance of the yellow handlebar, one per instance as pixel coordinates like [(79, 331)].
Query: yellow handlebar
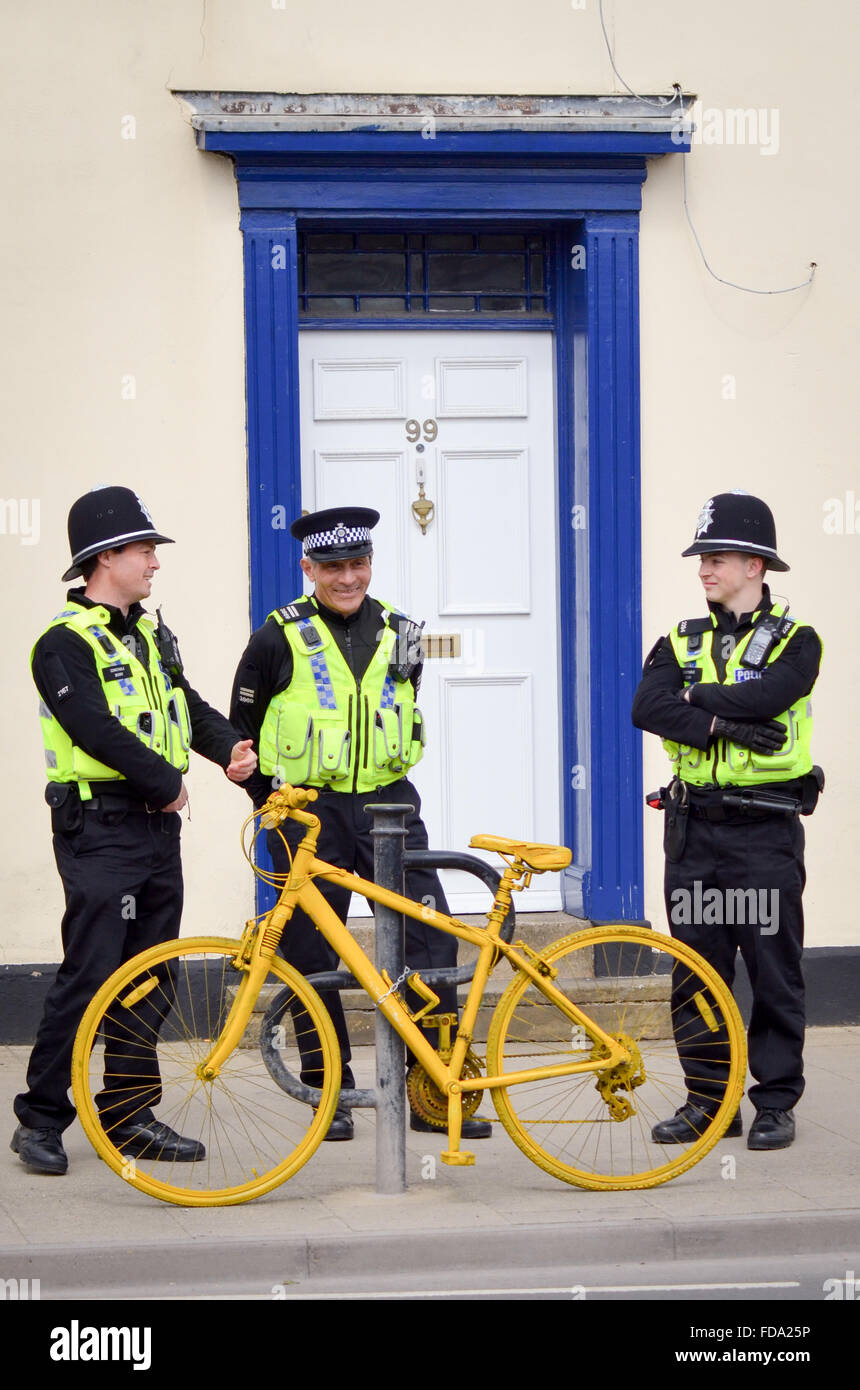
[(287, 802), (294, 797)]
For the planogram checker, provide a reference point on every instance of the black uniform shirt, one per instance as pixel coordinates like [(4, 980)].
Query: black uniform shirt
[(68, 682), (266, 668), (658, 706)]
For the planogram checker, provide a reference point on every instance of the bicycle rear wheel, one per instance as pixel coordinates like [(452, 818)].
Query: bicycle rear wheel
[(140, 1045), (682, 1029)]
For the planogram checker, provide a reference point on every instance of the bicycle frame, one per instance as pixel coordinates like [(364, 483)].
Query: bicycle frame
[(261, 940), (251, 1138)]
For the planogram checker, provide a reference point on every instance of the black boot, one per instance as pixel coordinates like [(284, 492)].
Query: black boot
[(341, 1127), (688, 1124), (41, 1150), (771, 1129)]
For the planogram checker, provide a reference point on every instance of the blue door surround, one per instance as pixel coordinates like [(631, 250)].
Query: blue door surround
[(585, 187)]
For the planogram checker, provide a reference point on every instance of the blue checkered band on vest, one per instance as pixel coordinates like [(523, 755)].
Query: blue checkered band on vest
[(340, 535), (106, 640), (387, 701), (322, 680)]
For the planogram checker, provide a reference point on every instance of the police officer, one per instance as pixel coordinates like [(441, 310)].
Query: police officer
[(327, 690), (729, 694), (118, 718)]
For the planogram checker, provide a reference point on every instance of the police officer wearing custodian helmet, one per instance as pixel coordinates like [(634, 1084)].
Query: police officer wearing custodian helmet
[(327, 690), (118, 718), (729, 694)]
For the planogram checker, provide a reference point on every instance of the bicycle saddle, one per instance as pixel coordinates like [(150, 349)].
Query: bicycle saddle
[(542, 858)]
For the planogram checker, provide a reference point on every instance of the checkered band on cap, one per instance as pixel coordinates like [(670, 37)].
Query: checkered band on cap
[(337, 536)]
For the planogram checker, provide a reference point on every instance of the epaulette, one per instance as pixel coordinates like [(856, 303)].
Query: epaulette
[(294, 612), (694, 630)]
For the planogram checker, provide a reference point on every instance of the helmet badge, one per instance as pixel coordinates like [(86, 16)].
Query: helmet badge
[(705, 517)]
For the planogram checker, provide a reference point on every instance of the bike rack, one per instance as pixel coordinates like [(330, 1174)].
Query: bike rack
[(390, 861)]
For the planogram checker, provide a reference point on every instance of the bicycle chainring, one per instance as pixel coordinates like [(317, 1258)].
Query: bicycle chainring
[(429, 1103)]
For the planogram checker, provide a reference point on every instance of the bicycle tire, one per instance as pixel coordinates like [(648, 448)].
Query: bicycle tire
[(638, 985), (254, 1134)]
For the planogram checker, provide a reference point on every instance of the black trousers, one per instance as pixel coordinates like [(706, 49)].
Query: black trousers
[(738, 887), (346, 842), (122, 877)]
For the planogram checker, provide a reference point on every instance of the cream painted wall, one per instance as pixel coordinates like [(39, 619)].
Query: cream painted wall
[(122, 257)]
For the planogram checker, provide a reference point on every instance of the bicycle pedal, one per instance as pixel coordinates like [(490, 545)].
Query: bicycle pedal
[(424, 992), (461, 1159)]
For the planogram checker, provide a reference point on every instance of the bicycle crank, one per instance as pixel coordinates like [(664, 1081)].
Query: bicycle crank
[(429, 1103), (626, 1076)]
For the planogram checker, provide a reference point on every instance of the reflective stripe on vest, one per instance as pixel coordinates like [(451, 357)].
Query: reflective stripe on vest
[(725, 763), (144, 701), (325, 730), (322, 679)]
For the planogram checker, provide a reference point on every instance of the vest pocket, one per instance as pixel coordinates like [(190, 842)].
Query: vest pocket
[(388, 739), (418, 739), (737, 759), (148, 725), (178, 729), (788, 755), (692, 757), (331, 750), (293, 745), (395, 748)]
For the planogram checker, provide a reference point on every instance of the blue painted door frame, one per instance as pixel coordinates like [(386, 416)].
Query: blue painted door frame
[(586, 189)]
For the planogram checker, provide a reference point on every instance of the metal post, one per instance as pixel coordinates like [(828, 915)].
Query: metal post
[(389, 834)]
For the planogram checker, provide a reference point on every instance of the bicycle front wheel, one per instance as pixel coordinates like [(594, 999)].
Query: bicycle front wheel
[(138, 1055), (684, 1038)]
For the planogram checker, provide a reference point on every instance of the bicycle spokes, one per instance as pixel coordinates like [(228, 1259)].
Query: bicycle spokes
[(682, 1038)]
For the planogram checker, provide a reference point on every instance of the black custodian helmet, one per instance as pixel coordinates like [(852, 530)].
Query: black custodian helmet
[(737, 521), (105, 518)]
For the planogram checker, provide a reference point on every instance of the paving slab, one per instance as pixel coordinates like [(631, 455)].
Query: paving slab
[(89, 1230)]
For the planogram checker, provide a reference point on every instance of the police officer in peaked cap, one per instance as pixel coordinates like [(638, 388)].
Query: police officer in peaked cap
[(729, 695), (118, 717), (327, 690)]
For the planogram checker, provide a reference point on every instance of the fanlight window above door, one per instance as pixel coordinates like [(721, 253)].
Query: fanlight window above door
[(423, 275)]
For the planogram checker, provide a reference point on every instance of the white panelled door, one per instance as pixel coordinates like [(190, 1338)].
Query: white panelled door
[(465, 421)]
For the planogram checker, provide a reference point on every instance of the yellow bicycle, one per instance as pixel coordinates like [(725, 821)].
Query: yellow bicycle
[(593, 1041)]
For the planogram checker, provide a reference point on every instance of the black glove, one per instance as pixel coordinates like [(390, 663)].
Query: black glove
[(761, 738)]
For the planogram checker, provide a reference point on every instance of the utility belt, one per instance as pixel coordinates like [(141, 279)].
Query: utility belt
[(743, 808), (731, 805), (68, 811)]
